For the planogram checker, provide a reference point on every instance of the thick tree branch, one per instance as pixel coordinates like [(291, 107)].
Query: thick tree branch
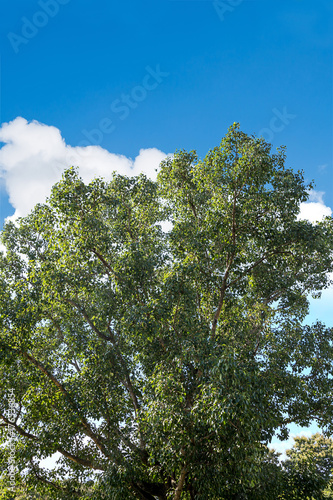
[(155, 489), (74, 458), (86, 427), (221, 299), (19, 429), (225, 285), (78, 460), (180, 485), (144, 495), (105, 263), (228, 268), (88, 320), (127, 382), (46, 481)]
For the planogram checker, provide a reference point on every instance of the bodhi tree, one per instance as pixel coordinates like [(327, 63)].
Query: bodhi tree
[(159, 364)]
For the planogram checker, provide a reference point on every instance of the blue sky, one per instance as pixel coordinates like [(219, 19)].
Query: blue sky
[(135, 80)]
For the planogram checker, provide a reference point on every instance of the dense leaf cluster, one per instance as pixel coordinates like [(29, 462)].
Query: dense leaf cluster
[(161, 363)]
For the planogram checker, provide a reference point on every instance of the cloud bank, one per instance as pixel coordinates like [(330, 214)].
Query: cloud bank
[(35, 155), (315, 209)]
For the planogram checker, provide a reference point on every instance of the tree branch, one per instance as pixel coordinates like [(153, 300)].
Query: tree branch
[(227, 271), (74, 458), (46, 481), (19, 429), (86, 427), (78, 460), (105, 263), (127, 382), (88, 320), (221, 299), (145, 495), (180, 485)]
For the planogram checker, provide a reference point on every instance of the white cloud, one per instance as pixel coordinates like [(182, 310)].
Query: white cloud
[(34, 156), (315, 209), (316, 196), (151, 157)]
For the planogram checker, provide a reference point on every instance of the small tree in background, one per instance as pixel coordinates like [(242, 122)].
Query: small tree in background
[(309, 467), (162, 363)]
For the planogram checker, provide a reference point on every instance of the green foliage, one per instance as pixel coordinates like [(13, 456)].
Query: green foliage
[(309, 467), (161, 363)]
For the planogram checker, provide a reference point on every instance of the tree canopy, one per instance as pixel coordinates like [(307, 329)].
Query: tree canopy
[(309, 468), (160, 363)]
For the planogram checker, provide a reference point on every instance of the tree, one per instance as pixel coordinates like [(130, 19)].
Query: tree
[(159, 364), (309, 467)]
